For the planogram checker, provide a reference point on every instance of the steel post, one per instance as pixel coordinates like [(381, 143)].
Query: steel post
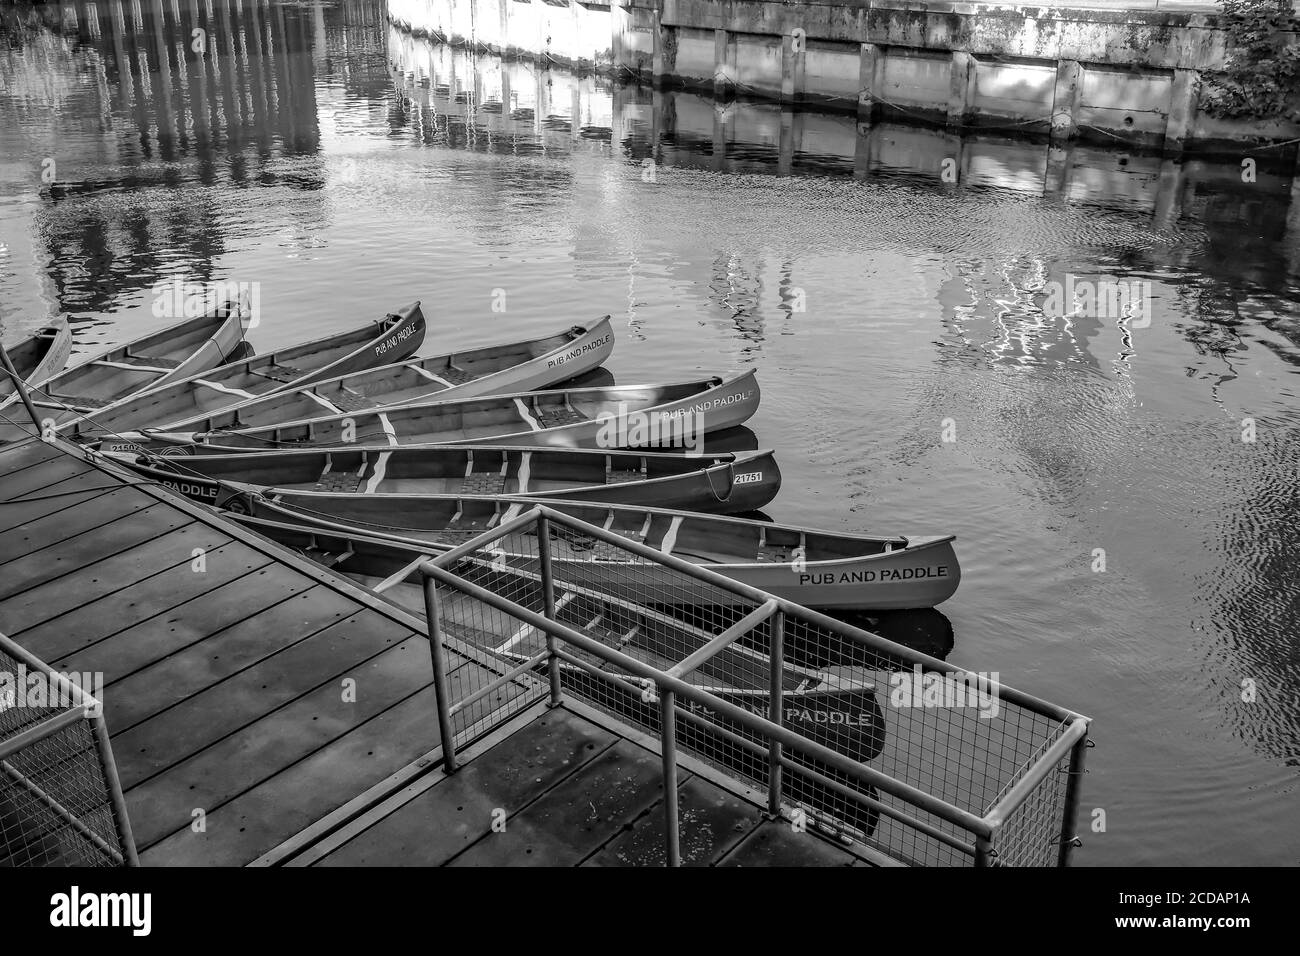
[(439, 656)]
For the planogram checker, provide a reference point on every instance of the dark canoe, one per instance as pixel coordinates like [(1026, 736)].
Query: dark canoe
[(391, 339), (490, 370), (835, 706), (814, 568), (621, 416), (725, 483), (151, 361)]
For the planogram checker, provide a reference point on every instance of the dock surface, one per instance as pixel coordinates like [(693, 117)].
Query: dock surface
[(263, 710), (563, 788)]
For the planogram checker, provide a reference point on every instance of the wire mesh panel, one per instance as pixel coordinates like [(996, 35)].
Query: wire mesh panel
[(952, 736), (56, 797), (1031, 834), (491, 642), (946, 732)]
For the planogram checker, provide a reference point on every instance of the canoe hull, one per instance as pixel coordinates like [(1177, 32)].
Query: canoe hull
[(667, 417), (920, 572), (915, 577), (36, 359), (680, 424), (215, 390), (40, 356), (588, 351), (399, 342), (400, 384), (724, 484), (212, 353), (197, 345)]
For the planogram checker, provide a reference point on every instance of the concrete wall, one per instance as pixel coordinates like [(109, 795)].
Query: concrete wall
[(566, 111), (573, 34), (1093, 74)]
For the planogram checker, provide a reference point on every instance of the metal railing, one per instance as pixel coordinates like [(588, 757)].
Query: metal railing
[(776, 696), (61, 802)]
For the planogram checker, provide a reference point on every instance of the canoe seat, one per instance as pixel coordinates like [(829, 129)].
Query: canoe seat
[(279, 373), (617, 476), (347, 482), (150, 361), (457, 376), (484, 483), (551, 417), (775, 554), (604, 551), (347, 400)]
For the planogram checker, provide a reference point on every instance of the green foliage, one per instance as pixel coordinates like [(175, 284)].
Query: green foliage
[(1261, 78)]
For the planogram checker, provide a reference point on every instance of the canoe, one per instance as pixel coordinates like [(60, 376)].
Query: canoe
[(494, 369), (621, 416), (835, 705), (36, 359), (151, 361), (40, 356), (724, 484), (820, 569), (391, 339)]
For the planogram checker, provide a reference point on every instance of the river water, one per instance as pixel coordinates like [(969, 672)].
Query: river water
[(349, 168)]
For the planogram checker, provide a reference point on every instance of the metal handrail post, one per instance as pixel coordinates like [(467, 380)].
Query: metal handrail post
[(668, 748), (439, 655), (776, 714), (116, 797), (983, 850), (1069, 817), (548, 600)]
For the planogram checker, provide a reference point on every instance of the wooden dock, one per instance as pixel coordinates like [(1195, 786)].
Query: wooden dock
[(228, 665)]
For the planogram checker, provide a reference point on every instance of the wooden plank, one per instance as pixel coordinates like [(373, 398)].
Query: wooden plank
[(139, 644), (253, 754), (775, 843), (44, 476), (131, 606), (195, 666), (78, 493), (55, 529), (576, 818), (264, 816), (72, 554), (710, 824), (449, 817), (116, 577), (231, 680), (25, 454), (344, 823)]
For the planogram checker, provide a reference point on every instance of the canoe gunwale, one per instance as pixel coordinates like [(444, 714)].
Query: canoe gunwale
[(59, 392), (225, 370), (390, 325), (705, 387), (691, 485), (203, 424)]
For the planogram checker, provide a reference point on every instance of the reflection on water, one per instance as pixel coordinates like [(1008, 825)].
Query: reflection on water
[(349, 167)]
